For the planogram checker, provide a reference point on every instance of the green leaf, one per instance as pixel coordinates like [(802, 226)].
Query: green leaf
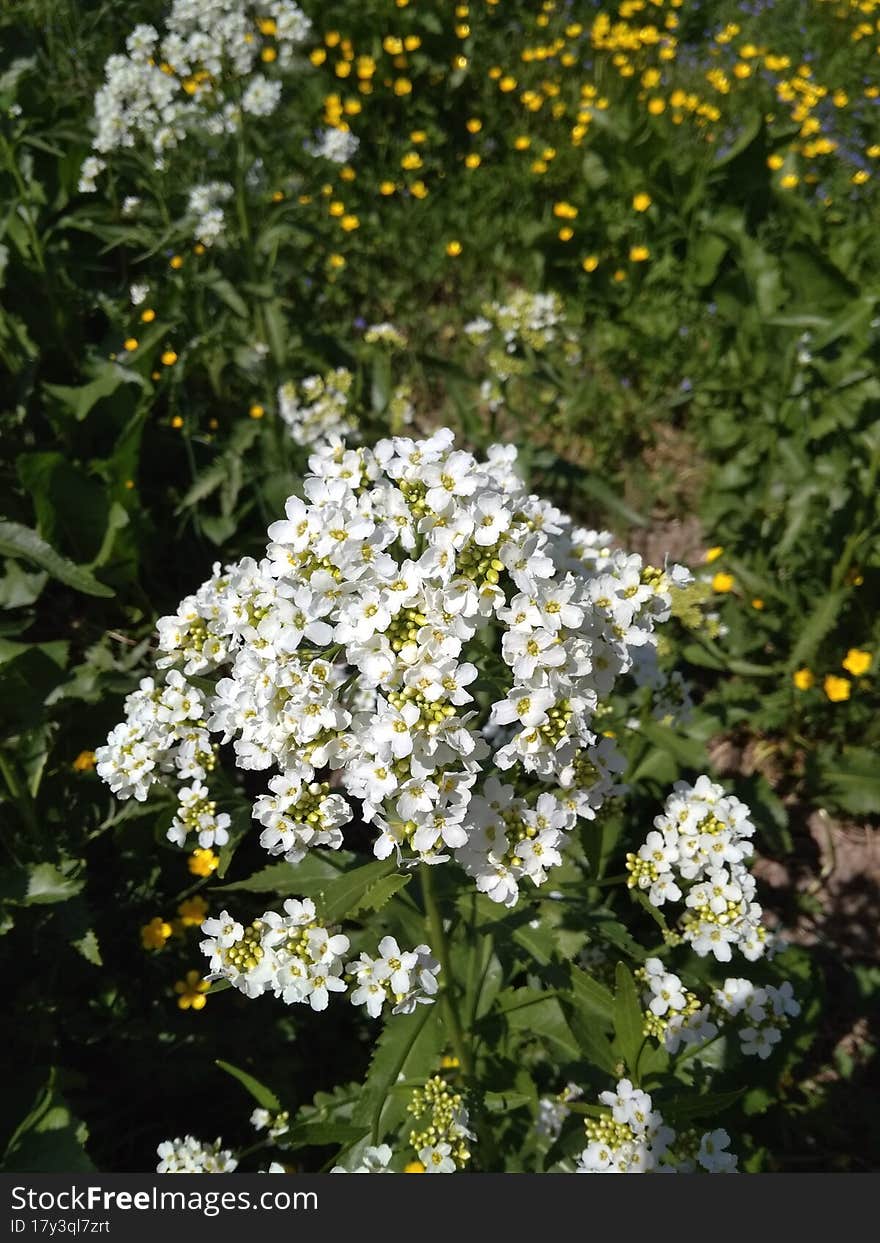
[(346, 894), (261, 1094), (379, 893), (409, 1047), (304, 879), (89, 948), (49, 1139), (851, 781), (540, 1016), (685, 1109), (589, 995), (504, 1102), (320, 1134), (80, 400), (817, 626), (228, 295), (628, 1019), (20, 541), (48, 883)]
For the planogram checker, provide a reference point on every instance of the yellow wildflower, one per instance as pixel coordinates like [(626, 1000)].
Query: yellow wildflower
[(191, 992), (837, 689), (857, 662)]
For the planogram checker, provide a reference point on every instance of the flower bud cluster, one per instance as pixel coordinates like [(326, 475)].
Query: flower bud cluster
[(442, 1143)]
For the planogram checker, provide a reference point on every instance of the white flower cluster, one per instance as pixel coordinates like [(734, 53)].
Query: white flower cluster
[(274, 1124), (673, 1012), (296, 957), (316, 410), (335, 145), (385, 334), (406, 976), (192, 1156), (526, 321), (420, 623), (190, 80), (553, 1110), (373, 1161), (205, 206), (702, 838), (680, 1018), (766, 1009), (634, 1139)]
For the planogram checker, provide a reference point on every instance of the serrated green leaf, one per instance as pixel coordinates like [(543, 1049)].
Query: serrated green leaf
[(89, 948), (48, 883), (20, 541), (817, 626), (380, 892), (343, 896), (303, 879), (409, 1048)]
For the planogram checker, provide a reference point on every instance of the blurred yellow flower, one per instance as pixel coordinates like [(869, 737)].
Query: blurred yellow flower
[(168, 358), (837, 689), (641, 201), (590, 263), (130, 344), (84, 762), (192, 911), (712, 554), (722, 582), (414, 1167), (757, 603), (453, 249), (803, 679), (256, 411), (857, 661), (191, 992), (638, 254), (203, 862), (148, 316), (155, 933)]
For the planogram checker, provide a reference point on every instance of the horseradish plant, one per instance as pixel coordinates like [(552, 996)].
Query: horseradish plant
[(424, 665)]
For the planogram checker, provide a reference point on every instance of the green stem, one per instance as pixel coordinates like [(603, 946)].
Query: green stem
[(441, 949), (24, 197)]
